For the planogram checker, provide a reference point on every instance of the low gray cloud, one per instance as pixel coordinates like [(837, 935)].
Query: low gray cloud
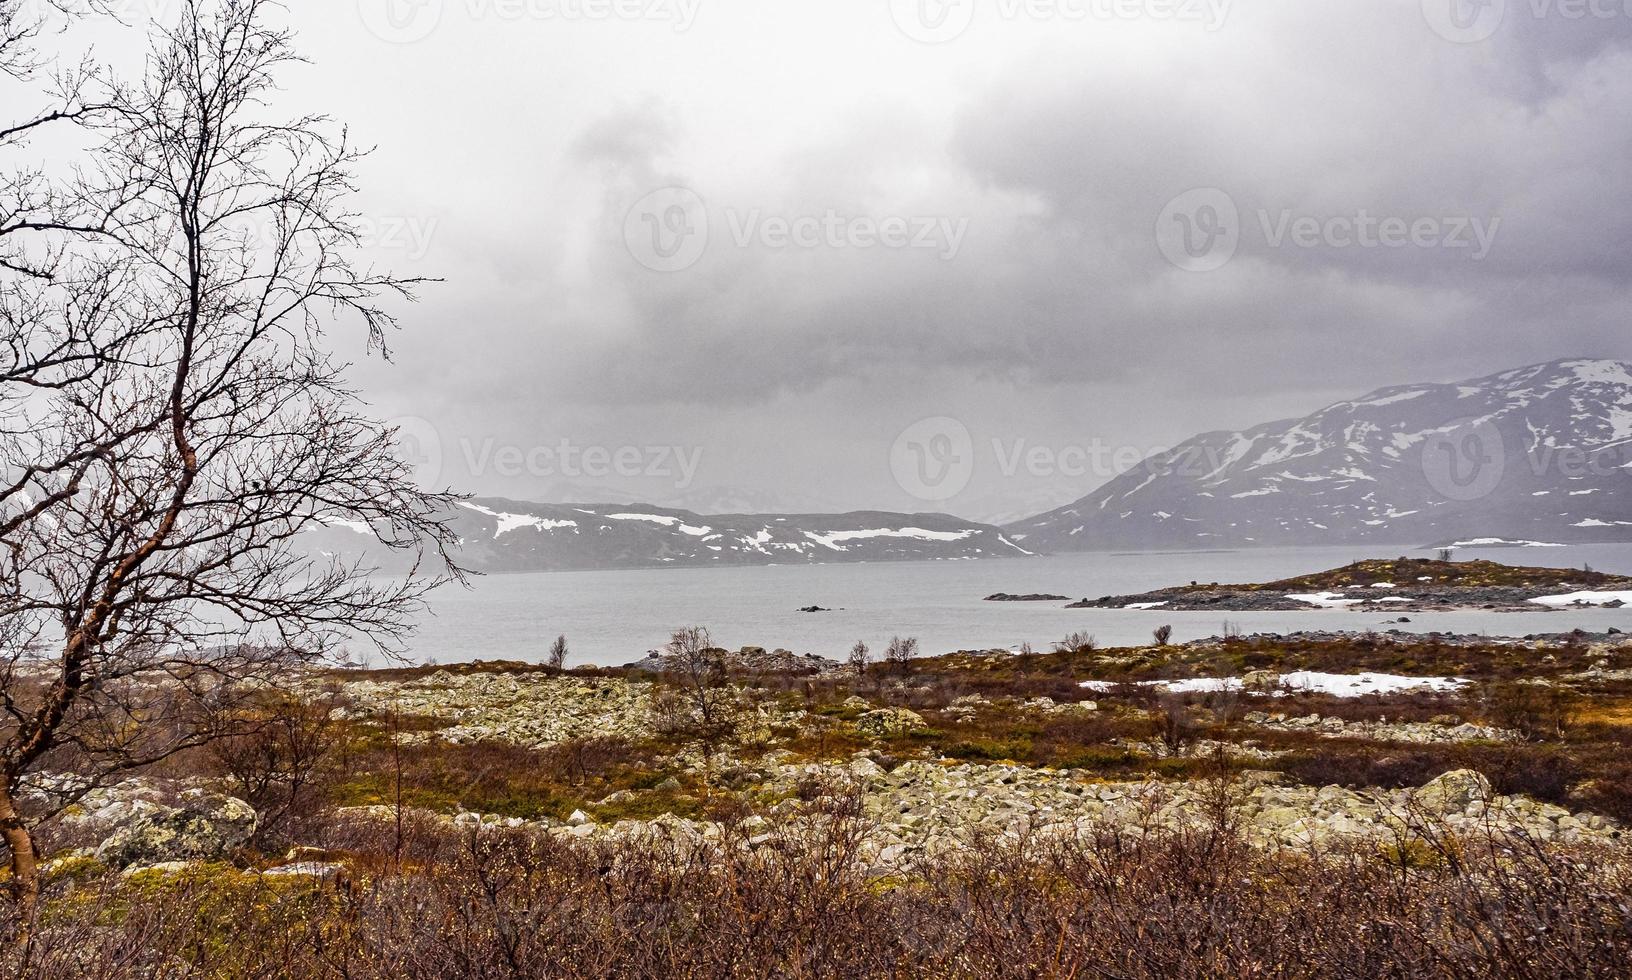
[(1408, 206)]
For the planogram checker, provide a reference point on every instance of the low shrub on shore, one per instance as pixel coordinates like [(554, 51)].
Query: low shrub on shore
[(1178, 905)]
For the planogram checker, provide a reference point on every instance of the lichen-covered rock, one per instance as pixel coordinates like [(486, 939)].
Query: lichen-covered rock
[(890, 723), (202, 827), (1454, 791)]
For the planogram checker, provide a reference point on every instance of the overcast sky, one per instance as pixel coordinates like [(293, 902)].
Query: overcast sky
[(777, 236)]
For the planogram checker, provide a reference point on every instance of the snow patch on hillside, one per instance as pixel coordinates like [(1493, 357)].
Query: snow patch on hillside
[(511, 522)]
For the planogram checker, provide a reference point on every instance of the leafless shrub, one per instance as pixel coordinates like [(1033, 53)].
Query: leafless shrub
[(1176, 723), (1536, 711), (860, 657), (1162, 635), (900, 653), (1140, 903), (276, 754), (1076, 642), (701, 704), (556, 659)]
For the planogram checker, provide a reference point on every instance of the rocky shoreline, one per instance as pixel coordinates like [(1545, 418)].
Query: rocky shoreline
[(927, 763), (1398, 586)]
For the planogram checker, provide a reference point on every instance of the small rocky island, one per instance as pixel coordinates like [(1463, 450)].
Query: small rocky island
[(1395, 585)]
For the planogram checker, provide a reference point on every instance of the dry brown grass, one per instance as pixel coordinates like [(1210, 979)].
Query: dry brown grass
[(1196, 905)]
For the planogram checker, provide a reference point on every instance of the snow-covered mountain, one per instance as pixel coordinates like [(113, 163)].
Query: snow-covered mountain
[(498, 535), (1540, 454)]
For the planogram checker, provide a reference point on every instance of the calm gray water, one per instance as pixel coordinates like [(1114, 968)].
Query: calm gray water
[(617, 616)]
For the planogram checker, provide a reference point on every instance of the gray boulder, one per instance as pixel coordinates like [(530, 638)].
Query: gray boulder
[(890, 723), (203, 826), (1455, 791)]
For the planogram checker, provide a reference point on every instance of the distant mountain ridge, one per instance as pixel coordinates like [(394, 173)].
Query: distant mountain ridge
[(500, 535), (1541, 454)]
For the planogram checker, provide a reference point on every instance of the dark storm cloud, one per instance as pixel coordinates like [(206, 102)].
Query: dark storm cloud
[(1060, 165), (1034, 159)]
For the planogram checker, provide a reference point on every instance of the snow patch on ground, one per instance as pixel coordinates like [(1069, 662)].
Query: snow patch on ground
[(1325, 600), (1313, 681), (1585, 598)]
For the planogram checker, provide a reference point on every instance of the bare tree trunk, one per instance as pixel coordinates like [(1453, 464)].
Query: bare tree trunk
[(25, 870)]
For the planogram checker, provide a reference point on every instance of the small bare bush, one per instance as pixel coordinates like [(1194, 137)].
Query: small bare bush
[(900, 653), (860, 657), (556, 658), (1076, 642)]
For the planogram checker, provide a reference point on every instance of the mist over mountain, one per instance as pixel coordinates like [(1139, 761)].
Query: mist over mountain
[(498, 535), (1540, 454)]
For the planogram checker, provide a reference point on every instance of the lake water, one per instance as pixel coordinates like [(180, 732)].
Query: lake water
[(613, 617)]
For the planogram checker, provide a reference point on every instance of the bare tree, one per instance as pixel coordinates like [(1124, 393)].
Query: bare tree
[(556, 659), (1162, 635), (699, 670), (1076, 642), (277, 759), (860, 657), (37, 214), (181, 422), (900, 652)]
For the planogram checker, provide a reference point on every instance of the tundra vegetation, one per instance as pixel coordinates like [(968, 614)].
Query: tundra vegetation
[(189, 786), (984, 815)]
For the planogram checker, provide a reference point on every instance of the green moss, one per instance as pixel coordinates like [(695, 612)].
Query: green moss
[(647, 806)]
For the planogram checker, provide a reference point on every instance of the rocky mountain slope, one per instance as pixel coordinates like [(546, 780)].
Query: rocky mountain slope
[(1539, 454), (498, 535)]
